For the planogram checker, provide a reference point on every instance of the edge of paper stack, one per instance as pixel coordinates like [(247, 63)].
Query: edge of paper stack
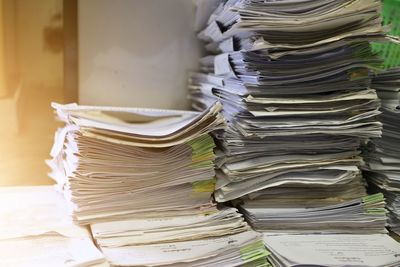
[(382, 155)]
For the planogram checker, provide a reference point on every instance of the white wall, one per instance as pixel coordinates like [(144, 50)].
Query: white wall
[(136, 52)]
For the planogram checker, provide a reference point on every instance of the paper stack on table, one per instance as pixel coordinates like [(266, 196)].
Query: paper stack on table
[(382, 155), (143, 179), (377, 250), (36, 229), (293, 79)]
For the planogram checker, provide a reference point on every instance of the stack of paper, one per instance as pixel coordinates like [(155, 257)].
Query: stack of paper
[(215, 238), (140, 231), (244, 249), (377, 250), (387, 85), (36, 229), (312, 215), (143, 180), (115, 162), (382, 155), (293, 79), (282, 22)]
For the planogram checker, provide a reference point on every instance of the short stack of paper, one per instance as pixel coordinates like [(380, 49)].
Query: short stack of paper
[(293, 79), (374, 250), (143, 179), (244, 249), (310, 215), (116, 162), (36, 229), (141, 231), (382, 155)]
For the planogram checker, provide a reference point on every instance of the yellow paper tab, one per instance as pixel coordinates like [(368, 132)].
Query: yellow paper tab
[(204, 186)]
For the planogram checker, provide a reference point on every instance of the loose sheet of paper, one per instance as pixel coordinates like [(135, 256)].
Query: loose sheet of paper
[(335, 250)]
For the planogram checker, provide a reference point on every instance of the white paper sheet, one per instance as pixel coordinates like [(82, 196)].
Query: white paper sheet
[(335, 250)]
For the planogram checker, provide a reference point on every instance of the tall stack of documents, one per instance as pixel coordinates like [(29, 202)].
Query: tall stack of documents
[(36, 229), (382, 155), (142, 179), (293, 78)]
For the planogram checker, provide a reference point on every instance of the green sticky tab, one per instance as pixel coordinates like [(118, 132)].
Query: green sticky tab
[(373, 198), (376, 211), (251, 247), (206, 156), (203, 164), (253, 251), (374, 204), (204, 186), (263, 262), (201, 143), (202, 151)]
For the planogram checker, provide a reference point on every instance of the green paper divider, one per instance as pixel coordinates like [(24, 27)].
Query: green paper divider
[(202, 151), (373, 198), (202, 144), (254, 251), (374, 204)]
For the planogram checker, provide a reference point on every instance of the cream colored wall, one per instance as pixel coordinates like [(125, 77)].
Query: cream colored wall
[(136, 53)]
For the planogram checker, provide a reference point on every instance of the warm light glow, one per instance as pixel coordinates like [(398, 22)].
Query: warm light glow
[(31, 76)]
